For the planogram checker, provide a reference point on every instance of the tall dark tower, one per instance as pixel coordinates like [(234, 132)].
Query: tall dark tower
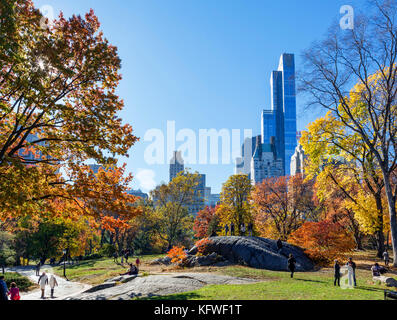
[(176, 164)]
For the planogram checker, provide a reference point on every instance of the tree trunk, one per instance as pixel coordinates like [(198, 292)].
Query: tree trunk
[(380, 243), (380, 237), (391, 201)]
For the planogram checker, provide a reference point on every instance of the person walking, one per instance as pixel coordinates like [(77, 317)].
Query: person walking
[(352, 264), (291, 264), (386, 258), (14, 292), (138, 262), (242, 229), (38, 269), (232, 229), (337, 273), (3, 289), (115, 256), (53, 284), (43, 281), (250, 229), (226, 230), (126, 254)]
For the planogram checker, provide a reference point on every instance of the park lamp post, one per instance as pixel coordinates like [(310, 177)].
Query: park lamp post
[(64, 262)]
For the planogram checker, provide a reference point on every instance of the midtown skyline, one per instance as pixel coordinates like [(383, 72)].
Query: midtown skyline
[(201, 64)]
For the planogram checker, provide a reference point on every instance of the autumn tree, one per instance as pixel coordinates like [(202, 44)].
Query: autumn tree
[(365, 55), (58, 109), (171, 201), (206, 223), (323, 241), (7, 252), (339, 158), (282, 205), (235, 202)]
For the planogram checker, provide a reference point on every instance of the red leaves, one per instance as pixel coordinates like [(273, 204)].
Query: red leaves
[(202, 222), (323, 241)]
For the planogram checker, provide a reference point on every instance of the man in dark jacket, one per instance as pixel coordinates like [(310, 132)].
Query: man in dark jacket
[(337, 273), (353, 265), (3, 289), (232, 229), (291, 264)]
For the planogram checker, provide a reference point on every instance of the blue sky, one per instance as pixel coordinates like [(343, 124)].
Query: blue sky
[(202, 63)]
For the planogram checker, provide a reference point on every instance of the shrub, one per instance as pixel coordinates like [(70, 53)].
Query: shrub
[(177, 255), (107, 250), (93, 256), (23, 283), (323, 241), (203, 246)]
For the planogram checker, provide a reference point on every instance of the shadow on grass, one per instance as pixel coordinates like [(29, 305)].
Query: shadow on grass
[(180, 296), (310, 280)]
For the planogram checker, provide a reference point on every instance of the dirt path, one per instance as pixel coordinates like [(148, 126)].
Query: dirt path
[(65, 289)]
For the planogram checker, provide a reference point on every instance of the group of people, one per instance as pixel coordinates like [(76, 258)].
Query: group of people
[(44, 281), (125, 254), (351, 272), (243, 229), (12, 292)]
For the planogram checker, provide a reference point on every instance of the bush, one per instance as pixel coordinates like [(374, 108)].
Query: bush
[(23, 283), (107, 250), (177, 255), (202, 246), (323, 241), (93, 256)]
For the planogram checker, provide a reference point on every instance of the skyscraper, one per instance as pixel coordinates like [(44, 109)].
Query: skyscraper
[(176, 164), (272, 151), (287, 68)]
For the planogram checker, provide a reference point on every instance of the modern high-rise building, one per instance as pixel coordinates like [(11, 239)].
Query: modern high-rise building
[(176, 165), (272, 151)]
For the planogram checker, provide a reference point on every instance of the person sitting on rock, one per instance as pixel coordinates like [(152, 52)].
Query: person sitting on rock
[(250, 229), (375, 270), (242, 229), (132, 271)]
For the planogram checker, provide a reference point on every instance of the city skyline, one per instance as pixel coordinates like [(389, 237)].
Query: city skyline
[(201, 64)]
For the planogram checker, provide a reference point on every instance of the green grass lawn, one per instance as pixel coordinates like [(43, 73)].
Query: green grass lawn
[(95, 272), (279, 286)]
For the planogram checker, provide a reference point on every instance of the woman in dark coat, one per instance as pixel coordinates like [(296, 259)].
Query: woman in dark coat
[(291, 264)]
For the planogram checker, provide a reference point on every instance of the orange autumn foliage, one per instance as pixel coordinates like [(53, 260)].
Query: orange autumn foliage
[(323, 241), (177, 254), (202, 246)]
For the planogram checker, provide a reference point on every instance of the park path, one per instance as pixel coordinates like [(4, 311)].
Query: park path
[(65, 289)]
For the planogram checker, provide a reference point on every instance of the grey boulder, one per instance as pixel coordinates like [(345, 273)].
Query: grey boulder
[(257, 253)]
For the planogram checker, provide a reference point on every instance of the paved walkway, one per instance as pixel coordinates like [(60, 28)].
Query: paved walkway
[(65, 289)]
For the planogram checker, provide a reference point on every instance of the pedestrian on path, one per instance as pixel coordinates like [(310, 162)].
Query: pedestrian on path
[(126, 254), (250, 229), (53, 284), (3, 289), (291, 264), (43, 281), (14, 292), (226, 230), (138, 262), (232, 229), (337, 273), (115, 256), (242, 229), (38, 269), (386, 258)]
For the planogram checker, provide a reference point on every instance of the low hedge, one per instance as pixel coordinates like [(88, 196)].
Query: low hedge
[(23, 283)]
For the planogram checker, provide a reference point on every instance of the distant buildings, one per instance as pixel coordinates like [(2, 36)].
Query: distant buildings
[(203, 193), (176, 165), (269, 155), (139, 193), (298, 161)]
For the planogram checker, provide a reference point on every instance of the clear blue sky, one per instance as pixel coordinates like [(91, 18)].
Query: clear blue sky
[(202, 63)]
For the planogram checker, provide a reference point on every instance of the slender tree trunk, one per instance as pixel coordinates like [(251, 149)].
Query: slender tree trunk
[(391, 201), (380, 237)]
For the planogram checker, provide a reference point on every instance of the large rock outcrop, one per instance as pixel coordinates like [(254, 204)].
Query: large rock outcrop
[(257, 253)]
